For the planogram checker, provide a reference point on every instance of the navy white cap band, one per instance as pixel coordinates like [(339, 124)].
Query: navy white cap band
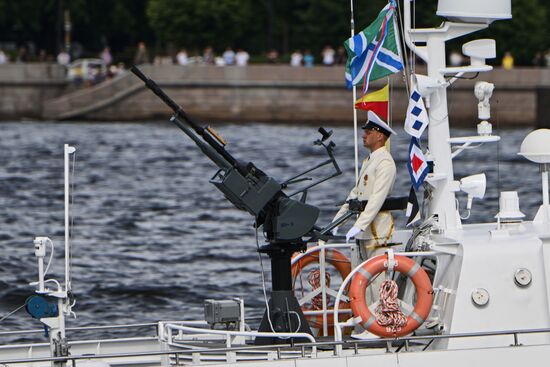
[(376, 123)]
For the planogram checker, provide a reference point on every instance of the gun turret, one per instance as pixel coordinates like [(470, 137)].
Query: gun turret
[(285, 220), (244, 185)]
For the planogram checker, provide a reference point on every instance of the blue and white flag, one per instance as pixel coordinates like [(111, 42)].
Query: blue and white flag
[(417, 118), (417, 164), (374, 52)]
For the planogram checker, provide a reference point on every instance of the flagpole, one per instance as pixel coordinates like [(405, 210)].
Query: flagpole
[(355, 137), (390, 121)]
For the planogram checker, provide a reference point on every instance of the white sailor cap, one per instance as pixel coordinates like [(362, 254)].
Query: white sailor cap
[(376, 123)]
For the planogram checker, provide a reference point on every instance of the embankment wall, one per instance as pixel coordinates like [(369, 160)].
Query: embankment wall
[(276, 93)]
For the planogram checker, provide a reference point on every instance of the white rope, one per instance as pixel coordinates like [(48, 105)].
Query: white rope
[(12, 312)]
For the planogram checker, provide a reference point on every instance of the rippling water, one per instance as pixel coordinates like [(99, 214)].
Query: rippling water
[(152, 238)]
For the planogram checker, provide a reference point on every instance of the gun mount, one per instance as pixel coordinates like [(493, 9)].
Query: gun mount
[(285, 220)]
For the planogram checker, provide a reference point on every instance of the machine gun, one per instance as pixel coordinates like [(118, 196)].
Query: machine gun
[(285, 220)]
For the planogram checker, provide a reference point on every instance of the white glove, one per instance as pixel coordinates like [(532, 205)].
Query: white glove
[(352, 233), (334, 231)]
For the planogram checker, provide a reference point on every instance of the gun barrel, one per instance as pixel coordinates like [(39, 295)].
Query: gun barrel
[(155, 88), (181, 115)]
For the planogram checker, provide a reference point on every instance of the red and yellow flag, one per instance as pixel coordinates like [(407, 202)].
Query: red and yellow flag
[(376, 102)]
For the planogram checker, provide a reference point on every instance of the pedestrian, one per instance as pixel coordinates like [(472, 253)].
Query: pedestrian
[(142, 55), (106, 56), (182, 57), (208, 55), (42, 56), (341, 56), (547, 58), (308, 59), (273, 56), (296, 58), (22, 55), (508, 61), (63, 58), (242, 57), (3, 57), (328, 55), (229, 56)]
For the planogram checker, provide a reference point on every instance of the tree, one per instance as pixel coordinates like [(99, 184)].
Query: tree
[(524, 35), (199, 23)]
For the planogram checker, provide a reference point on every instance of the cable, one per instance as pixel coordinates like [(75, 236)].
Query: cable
[(51, 256), (12, 312), (263, 282), (265, 295), (54, 281), (408, 68), (463, 77), (299, 320)]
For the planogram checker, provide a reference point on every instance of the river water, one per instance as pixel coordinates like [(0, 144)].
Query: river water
[(152, 238)]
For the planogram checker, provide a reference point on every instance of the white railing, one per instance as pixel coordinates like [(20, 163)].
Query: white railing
[(174, 335), (324, 311)]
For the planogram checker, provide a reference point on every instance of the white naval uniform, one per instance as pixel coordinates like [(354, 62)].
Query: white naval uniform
[(376, 180), (375, 184)]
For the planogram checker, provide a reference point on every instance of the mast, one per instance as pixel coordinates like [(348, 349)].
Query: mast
[(354, 94), (443, 202)]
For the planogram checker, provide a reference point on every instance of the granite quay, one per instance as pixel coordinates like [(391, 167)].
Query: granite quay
[(266, 93)]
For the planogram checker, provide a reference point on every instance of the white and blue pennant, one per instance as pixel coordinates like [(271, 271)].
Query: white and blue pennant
[(417, 118)]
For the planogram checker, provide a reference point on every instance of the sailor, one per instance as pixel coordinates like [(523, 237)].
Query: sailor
[(373, 228)]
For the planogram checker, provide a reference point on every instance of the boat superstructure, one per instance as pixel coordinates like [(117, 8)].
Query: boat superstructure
[(490, 282)]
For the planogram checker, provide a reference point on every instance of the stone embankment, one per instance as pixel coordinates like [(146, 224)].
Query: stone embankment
[(255, 93)]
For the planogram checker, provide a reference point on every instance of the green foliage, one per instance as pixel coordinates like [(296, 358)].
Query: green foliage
[(256, 25), (197, 24), (525, 34)]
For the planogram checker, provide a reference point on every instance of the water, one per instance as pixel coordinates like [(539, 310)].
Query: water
[(152, 238)]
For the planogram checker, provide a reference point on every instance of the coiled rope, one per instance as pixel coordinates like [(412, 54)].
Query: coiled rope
[(314, 279), (388, 313)]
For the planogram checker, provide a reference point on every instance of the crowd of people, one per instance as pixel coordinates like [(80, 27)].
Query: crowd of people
[(240, 57), (229, 57)]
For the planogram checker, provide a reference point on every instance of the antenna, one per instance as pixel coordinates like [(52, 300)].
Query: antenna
[(67, 150)]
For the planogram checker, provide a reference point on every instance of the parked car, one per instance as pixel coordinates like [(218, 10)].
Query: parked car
[(87, 70)]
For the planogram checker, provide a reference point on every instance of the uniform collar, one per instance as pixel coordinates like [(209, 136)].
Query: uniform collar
[(378, 151)]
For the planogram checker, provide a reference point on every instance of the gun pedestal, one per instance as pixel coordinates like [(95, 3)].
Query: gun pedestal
[(285, 220), (284, 310)]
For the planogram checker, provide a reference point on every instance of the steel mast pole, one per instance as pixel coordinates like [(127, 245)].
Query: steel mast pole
[(354, 93), (443, 202)]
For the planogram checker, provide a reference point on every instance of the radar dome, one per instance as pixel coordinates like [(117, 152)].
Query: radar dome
[(474, 11), (536, 146)]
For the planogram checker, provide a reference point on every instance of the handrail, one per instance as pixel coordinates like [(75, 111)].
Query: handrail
[(84, 328), (351, 343), (241, 333), (321, 248)]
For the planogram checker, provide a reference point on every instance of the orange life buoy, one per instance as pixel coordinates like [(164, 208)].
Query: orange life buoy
[(405, 266), (340, 262)]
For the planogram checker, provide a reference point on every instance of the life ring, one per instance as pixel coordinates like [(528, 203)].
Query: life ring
[(341, 263), (406, 266)]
